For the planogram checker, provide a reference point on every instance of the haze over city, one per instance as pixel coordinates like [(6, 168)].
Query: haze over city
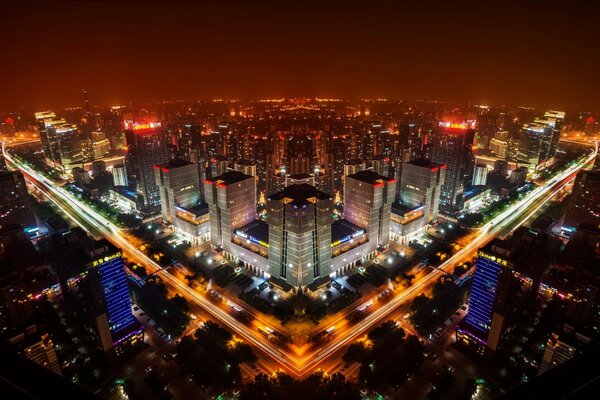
[(517, 52)]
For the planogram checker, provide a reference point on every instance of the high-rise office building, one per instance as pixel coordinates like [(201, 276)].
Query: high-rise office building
[(15, 207), (420, 185), (418, 202), (559, 119), (180, 202), (452, 145), (117, 327), (61, 142), (178, 186), (146, 147), (231, 203), (95, 270), (44, 120), (584, 205), (534, 144), (119, 175), (483, 326), (479, 175), (299, 219), (368, 199)]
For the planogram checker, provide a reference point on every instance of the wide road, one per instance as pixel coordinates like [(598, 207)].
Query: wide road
[(291, 360)]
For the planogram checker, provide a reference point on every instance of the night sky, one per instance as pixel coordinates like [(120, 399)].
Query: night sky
[(543, 53)]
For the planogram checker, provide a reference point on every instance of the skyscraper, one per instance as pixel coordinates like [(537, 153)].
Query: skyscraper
[(420, 184), (117, 327), (178, 186), (232, 204), (559, 119), (92, 272), (483, 326), (44, 120), (368, 199), (299, 219), (584, 205), (15, 207), (453, 146), (146, 147), (419, 196)]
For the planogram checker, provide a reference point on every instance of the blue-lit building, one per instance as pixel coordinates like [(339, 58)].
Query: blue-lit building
[(93, 281), (117, 327), (483, 326)]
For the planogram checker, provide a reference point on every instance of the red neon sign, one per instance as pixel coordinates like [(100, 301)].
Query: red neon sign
[(138, 126), (468, 124)]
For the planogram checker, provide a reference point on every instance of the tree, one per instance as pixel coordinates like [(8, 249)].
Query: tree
[(316, 386), (390, 359), (211, 359)]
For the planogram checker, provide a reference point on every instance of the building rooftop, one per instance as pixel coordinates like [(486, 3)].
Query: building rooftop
[(256, 231), (229, 178), (300, 195), (197, 209), (175, 164), (299, 176), (400, 208), (423, 162), (245, 162), (370, 177), (343, 230)]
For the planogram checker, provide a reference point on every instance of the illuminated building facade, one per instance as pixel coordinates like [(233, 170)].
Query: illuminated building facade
[(232, 205), (533, 144), (299, 219), (452, 145), (368, 199), (44, 120), (146, 147), (180, 202), (119, 175), (92, 278), (117, 327), (420, 188), (483, 326), (178, 186), (61, 141), (479, 175)]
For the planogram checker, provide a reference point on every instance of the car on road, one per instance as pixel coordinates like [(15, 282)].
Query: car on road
[(432, 356)]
